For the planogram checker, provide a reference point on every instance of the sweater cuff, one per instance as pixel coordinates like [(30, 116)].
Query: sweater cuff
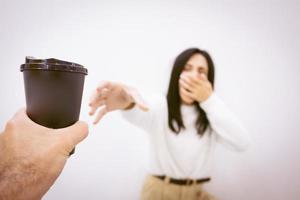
[(130, 111)]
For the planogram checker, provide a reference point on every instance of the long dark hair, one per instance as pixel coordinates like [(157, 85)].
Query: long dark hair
[(173, 98)]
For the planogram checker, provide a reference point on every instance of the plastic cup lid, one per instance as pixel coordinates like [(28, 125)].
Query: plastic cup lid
[(52, 64)]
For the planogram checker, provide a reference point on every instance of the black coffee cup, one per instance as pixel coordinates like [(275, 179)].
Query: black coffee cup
[(53, 90)]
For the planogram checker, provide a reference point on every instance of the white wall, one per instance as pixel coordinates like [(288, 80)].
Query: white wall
[(255, 45)]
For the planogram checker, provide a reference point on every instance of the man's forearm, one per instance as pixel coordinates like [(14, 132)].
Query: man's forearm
[(10, 185), (32, 156), (15, 184)]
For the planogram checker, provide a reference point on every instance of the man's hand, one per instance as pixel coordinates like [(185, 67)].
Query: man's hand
[(197, 88), (32, 156), (110, 96)]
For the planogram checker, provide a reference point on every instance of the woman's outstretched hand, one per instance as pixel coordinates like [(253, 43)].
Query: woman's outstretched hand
[(110, 96)]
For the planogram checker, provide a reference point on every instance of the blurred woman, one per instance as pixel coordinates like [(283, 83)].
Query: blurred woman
[(184, 126)]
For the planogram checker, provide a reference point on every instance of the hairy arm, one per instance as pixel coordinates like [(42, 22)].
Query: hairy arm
[(20, 184), (32, 156)]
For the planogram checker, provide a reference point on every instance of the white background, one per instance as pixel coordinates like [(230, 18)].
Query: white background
[(255, 46)]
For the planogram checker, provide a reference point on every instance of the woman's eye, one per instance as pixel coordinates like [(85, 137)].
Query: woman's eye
[(200, 71)]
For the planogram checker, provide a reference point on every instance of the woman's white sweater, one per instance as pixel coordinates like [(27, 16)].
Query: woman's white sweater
[(187, 155)]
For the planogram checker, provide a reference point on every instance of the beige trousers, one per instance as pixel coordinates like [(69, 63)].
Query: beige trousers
[(157, 189)]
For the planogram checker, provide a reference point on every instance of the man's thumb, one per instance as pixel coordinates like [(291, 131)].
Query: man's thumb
[(74, 134)]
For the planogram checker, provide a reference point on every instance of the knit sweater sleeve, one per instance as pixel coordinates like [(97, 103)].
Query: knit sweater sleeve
[(146, 120), (225, 124)]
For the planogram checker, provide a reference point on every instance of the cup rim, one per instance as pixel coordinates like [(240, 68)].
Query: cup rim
[(54, 67)]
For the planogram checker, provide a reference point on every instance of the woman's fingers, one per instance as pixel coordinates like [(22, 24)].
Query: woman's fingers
[(99, 93), (96, 92), (103, 93), (96, 106), (138, 100), (192, 82), (186, 93), (197, 80), (185, 85), (102, 111), (189, 81), (204, 81), (104, 84), (200, 79), (135, 97), (93, 97), (99, 97)]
